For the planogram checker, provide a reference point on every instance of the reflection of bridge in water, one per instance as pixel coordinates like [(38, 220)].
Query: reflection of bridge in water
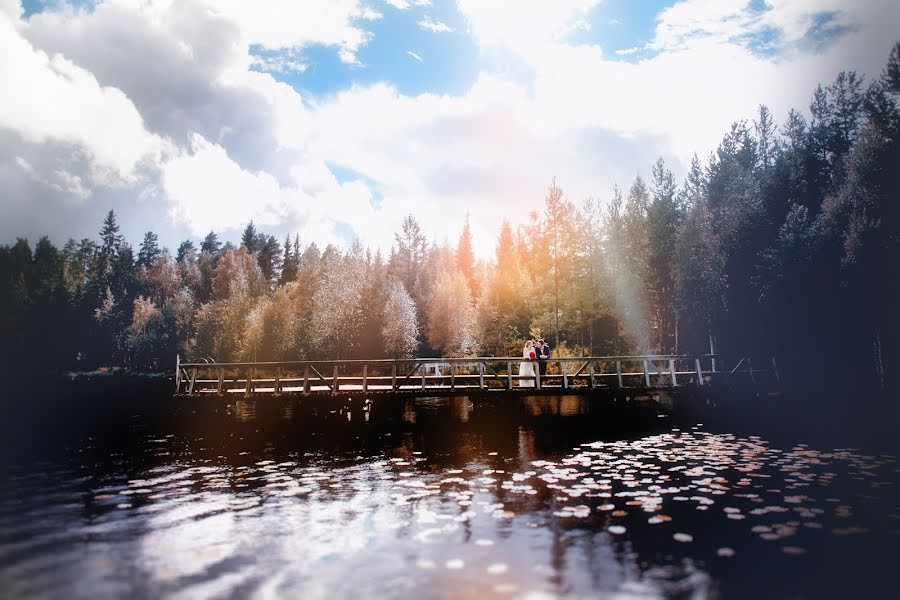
[(629, 376)]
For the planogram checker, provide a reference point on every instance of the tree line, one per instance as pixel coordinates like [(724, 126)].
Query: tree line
[(784, 241)]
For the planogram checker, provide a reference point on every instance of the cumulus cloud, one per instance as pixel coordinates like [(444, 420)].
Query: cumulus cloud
[(175, 112), (434, 26), (48, 98), (404, 4)]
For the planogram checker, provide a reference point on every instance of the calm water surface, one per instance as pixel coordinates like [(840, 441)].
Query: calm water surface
[(443, 499)]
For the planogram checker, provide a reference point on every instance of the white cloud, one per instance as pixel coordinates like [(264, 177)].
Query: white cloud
[(254, 148), (276, 24), (524, 26), (434, 26), (404, 4), (49, 98)]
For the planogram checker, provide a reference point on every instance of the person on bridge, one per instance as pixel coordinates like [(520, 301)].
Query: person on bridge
[(526, 368), (543, 352)]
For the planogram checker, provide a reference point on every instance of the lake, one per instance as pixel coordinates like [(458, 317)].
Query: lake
[(438, 498)]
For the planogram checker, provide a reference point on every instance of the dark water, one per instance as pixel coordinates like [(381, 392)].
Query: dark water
[(440, 499)]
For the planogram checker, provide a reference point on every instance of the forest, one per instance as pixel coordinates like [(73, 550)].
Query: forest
[(784, 242)]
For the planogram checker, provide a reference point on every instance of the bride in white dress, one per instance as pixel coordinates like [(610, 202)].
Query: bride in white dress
[(526, 369)]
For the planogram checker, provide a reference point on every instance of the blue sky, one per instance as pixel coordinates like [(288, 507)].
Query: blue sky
[(336, 118)]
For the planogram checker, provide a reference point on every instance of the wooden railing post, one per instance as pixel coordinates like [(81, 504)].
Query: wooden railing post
[(220, 388), (565, 374), (619, 372), (480, 375), (424, 372), (775, 371), (249, 387), (394, 377), (591, 376), (306, 379), (278, 380), (336, 386), (699, 371), (672, 371), (750, 370), (646, 373), (192, 381), (509, 375), (452, 376), (178, 373), (537, 375), (366, 377)]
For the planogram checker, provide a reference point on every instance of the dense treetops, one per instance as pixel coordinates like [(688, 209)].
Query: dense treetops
[(786, 241)]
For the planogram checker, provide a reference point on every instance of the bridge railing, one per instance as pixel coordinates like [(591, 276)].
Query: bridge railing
[(463, 374)]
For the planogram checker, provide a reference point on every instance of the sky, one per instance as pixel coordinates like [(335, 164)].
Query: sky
[(336, 118)]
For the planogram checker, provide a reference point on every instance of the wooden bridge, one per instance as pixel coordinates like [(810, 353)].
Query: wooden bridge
[(466, 376)]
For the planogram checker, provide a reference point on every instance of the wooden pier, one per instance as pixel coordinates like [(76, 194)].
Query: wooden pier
[(468, 376)]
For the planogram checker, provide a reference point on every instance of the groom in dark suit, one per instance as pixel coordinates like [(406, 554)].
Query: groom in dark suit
[(543, 353)]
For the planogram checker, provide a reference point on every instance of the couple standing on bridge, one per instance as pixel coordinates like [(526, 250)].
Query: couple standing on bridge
[(535, 350)]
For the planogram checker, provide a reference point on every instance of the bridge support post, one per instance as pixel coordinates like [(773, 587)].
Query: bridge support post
[(394, 377), (220, 388), (672, 371), (278, 380), (537, 375), (509, 375), (306, 379), (565, 374), (480, 375), (335, 388), (591, 376), (452, 376), (249, 387), (646, 373), (178, 373), (619, 372), (699, 371)]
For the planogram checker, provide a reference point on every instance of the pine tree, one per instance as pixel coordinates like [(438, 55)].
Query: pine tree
[(211, 244), (149, 250), (249, 238)]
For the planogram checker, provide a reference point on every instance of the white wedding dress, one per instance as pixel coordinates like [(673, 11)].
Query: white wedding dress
[(526, 369)]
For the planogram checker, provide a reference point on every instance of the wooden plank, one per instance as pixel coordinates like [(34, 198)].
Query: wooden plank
[(619, 372), (737, 366), (193, 379), (672, 372)]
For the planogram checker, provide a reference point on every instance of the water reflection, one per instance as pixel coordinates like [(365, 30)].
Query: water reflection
[(453, 500)]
